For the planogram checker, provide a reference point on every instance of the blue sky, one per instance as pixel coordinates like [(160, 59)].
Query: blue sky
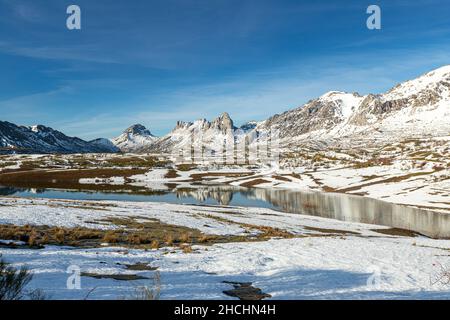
[(155, 62)]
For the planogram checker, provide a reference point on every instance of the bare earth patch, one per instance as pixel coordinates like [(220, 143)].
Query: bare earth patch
[(245, 291)]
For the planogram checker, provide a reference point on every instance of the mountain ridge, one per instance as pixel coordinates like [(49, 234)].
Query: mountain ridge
[(414, 107), (420, 106), (42, 139)]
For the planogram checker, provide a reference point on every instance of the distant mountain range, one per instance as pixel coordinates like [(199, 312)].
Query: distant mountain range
[(419, 107), (41, 139)]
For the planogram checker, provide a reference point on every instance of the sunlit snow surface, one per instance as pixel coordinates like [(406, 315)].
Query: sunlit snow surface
[(368, 265)]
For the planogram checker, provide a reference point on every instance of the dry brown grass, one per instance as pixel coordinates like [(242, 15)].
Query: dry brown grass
[(253, 183), (187, 249), (185, 237), (60, 235), (186, 167), (270, 232), (373, 163), (331, 231), (134, 162), (281, 178), (171, 174), (33, 238), (265, 232), (110, 237), (154, 244), (296, 176), (132, 233), (64, 179), (168, 239), (388, 180), (134, 239), (204, 239), (396, 232)]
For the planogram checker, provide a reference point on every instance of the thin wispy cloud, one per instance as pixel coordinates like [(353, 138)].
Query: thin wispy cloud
[(89, 53), (156, 62)]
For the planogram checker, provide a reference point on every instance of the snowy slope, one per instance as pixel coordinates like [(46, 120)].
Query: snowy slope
[(326, 259), (134, 138)]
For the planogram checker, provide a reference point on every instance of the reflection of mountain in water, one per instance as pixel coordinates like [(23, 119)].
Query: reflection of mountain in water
[(222, 194), (358, 209), (328, 205), (334, 206), (7, 191)]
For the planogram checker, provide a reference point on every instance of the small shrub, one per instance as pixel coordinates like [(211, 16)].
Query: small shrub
[(110, 237), (204, 239), (171, 174), (60, 235), (13, 281), (33, 238), (186, 167), (134, 239), (187, 249), (146, 293), (169, 239), (154, 244), (45, 239), (185, 237), (38, 295)]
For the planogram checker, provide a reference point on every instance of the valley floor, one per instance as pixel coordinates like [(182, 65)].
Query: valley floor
[(129, 250), (287, 256)]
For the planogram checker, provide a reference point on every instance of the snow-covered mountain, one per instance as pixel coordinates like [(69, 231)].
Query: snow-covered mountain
[(414, 108), (209, 133), (134, 139), (41, 139)]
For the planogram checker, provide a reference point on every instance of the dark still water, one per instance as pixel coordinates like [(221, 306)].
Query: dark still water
[(328, 205)]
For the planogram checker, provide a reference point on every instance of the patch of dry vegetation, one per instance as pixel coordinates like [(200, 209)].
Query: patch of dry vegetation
[(252, 183), (374, 162), (281, 178), (171, 174), (64, 179), (186, 167)]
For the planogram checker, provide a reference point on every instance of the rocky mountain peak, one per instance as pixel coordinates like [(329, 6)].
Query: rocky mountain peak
[(223, 123), (138, 129), (42, 130), (182, 125), (133, 138)]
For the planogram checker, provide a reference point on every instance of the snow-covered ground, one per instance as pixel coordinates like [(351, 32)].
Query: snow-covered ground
[(324, 259), (318, 263)]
